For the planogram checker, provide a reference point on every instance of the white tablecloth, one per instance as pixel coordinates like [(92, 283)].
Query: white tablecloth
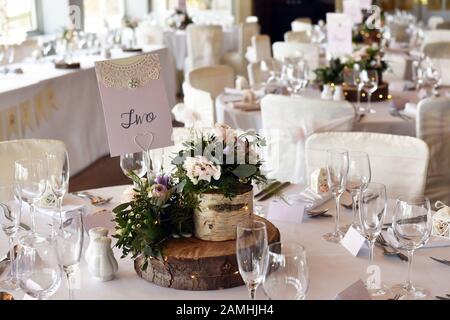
[(332, 268), (78, 120), (176, 41), (380, 122)]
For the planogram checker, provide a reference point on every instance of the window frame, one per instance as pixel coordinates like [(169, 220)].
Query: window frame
[(36, 18)]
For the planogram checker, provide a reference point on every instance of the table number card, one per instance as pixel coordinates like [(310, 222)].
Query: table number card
[(135, 104), (353, 241), (339, 34), (353, 9)]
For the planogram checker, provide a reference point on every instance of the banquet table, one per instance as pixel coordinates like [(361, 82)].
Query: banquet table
[(75, 108), (332, 269)]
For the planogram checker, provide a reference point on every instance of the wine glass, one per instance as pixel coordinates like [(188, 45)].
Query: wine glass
[(38, 270), (412, 225), (359, 175), (287, 276), (337, 168), (359, 84), (10, 213), (251, 252), (58, 176), (372, 212), (370, 80), (69, 244), (30, 178), (135, 163), (434, 79)]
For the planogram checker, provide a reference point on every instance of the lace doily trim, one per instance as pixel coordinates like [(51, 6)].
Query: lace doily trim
[(130, 76)]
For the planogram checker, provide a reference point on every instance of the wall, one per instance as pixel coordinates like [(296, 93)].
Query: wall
[(137, 8), (242, 9), (54, 15)]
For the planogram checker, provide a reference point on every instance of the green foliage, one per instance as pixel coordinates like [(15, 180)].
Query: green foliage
[(333, 73)]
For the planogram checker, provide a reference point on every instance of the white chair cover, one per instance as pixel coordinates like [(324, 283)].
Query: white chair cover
[(399, 31), (433, 36), (261, 49), (443, 65), (302, 24), (397, 67), (256, 76), (212, 79), (399, 162), (204, 46), (12, 151), (437, 50), (434, 21), (311, 52), (148, 34), (433, 126), (288, 121), (299, 36)]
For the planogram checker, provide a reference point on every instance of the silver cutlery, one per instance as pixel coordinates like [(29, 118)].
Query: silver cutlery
[(396, 113), (396, 297), (275, 191), (318, 213), (447, 297), (381, 241), (268, 189), (443, 261), (95, 200)]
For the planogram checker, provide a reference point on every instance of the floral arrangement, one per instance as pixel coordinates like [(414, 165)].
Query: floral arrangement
[(223, 162), (68, 34), (130, 23), (333, 73), (155, 214), (179, 20)]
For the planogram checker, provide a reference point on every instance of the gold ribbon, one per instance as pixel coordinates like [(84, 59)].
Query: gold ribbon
[(12, 123), (26, 117), (49, 98), (39, 108)]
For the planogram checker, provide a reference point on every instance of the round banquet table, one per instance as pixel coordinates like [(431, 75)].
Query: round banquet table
[(380, 122), (332, 268)]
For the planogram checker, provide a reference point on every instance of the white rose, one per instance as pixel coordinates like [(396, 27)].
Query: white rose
[(224, 132)]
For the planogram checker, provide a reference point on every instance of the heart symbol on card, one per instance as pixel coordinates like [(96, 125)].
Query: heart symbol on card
[(144, 140)]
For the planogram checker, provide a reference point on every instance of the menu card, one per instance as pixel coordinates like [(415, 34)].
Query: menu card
[(353, 9), (339, 29)]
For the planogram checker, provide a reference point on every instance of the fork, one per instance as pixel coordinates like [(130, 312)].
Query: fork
[(396, 297), (447, 297), (381, 241), (318, 213), (95, 200), (443, 261)]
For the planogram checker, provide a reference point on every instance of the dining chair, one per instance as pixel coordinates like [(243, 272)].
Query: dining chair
[(434, 21), (310, 52), (433, 127), (399, 162), (14, 150), (256, 75), (297, 36), (443, 26), (432, 36), (397, 67), (261, 49), (301, 24), (288, 121), (202, 87), (236, 59), (204, 46), (399, 31), (437, 50), (147, 34)]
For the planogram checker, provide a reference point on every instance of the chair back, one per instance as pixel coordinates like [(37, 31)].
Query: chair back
[(204, 45)]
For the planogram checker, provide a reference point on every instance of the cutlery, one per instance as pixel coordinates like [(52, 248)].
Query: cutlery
[(95, 200), (4, 265), (318, 213), (396, 113), (382, 241), (396, 297), (275, 191), (443, 261), (8, 255), (443, 298), (268, 189), (350, 205), (5, 296)]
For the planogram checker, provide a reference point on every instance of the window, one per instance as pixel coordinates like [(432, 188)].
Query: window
[(195, 5), (18, 16), (96, 12)]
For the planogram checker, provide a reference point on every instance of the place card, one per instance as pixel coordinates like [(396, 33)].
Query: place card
[(339, 30), (356, 291), (135, 103), (281, 211), (353, 10), (353, 241)]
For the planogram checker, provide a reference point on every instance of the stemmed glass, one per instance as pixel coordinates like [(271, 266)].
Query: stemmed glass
[(372, 208), (412, 225), (370, 80), (69, 244), (337, 168), (251, 252), (58, 176), (359, 175), (10, 213), (287, 276), (134, 162), (30, 178), (38, 270), (434, 79), (359, 84)]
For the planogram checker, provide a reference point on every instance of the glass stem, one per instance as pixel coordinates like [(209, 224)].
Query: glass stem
[(12, 257), (355, 209), (59, 204), (252, 293), (337, 216), (358, 100), (69, 285), (409, 284), (32, 214), (371, 247), (369, 100)]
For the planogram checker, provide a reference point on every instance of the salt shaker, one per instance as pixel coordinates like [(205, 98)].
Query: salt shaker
[(102, 264), (338, 94), (94, 233), (327, 92)]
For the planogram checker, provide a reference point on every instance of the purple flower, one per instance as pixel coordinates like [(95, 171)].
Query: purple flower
[(163, 180)]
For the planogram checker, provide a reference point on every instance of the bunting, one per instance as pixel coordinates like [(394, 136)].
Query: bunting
[(12, 124)]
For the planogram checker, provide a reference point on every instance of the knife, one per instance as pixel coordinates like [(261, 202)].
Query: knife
[(275, 191), (268, 189)]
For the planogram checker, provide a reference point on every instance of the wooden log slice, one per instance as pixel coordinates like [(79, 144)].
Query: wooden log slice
[(351, 93), (196, 265)]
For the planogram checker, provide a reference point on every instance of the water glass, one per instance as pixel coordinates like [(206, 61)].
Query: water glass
[(58, 176), (135, 163), (370, 80)]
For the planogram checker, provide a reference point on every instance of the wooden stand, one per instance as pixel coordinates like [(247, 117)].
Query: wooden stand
[(351, 93), (196, 265)]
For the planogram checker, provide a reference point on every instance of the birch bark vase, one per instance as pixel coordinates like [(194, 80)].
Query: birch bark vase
[(217, 217)]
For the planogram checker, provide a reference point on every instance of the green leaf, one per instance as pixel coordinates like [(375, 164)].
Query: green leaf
[(121, 207), (245, 171)]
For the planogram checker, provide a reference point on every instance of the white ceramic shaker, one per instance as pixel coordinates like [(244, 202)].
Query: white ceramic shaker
[(94, 233), (102, 264)]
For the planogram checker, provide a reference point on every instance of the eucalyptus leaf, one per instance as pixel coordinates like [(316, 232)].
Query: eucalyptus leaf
[(245, 171)]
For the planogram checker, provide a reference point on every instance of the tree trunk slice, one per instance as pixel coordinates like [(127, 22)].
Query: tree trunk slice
[(196, 265)]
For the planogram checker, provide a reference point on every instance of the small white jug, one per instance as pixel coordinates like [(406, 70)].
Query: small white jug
[(338, 94), (94, 234), (327, 92), (102, 265)]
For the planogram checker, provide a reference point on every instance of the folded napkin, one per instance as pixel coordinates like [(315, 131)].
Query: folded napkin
[(71, 203), (311, 199), (246, 106), (434, 242), (399, 103), (410, 109), (259, 93)]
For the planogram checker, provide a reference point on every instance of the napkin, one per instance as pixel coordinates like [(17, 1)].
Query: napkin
[(410, 109), (311, 199), (434, 242), (246, 106), (399, 103)]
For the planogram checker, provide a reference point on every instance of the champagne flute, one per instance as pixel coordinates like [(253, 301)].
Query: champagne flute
[(359, 84), (287, 276), (69, 244), (10, 213), (337, 168), (30, 178), (372, 208), (359, 175), (135, 163), (412, 225), (370, 80), (38, 270), (58, 176), (251, 252)]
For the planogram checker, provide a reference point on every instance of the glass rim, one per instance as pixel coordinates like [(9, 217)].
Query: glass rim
[(412, 199), (291, 251), (375, 184), (257, 225), (358, 153), (29, 160), (337, 151)]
